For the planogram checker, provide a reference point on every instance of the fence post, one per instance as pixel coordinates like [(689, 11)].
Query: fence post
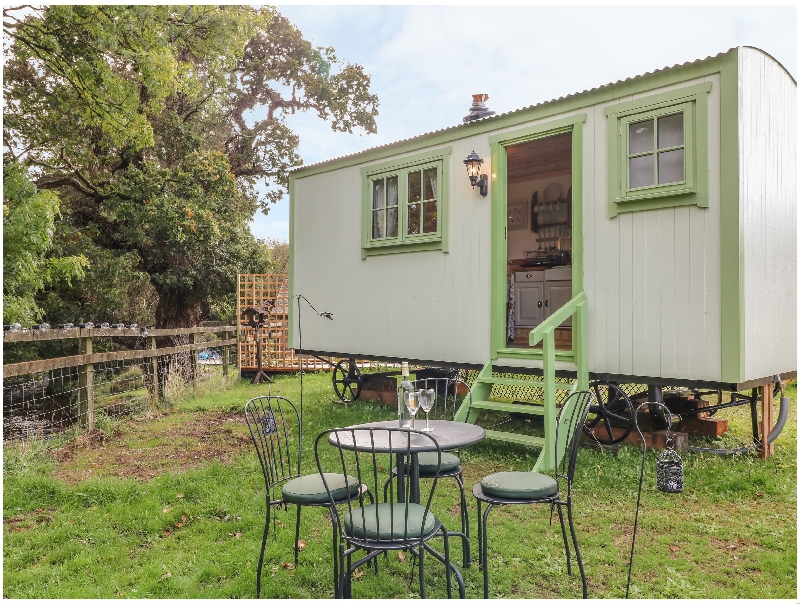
[(226, 351), (156, 381), (193, 352), (86, 387)]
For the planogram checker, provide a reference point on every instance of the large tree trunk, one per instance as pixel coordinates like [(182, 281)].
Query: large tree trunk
[(174, 310)]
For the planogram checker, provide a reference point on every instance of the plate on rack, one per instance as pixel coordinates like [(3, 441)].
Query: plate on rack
[(552, 192)]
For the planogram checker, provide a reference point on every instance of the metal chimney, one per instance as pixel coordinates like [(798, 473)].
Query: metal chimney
[(478, 108)]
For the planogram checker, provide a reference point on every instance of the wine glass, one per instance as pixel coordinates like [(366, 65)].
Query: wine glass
[(412, 404), (426, 400)]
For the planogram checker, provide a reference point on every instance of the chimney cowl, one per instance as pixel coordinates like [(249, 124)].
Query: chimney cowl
[(478, 109)]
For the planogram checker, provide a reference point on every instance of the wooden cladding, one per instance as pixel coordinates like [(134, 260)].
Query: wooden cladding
[(546, 157)]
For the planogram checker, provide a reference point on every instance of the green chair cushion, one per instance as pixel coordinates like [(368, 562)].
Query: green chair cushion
[(427, 463), (310, 489), (519, 485), (390, 518)]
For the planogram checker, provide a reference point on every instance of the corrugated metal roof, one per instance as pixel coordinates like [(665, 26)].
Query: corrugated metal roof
[(494, 117)]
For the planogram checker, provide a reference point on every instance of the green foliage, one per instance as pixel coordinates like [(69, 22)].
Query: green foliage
[(279, 254), (28, 224), (154, 124)]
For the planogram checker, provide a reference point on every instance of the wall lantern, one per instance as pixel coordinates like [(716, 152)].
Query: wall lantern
[(473, 163)]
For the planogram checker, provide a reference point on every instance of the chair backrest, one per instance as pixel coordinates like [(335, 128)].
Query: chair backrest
[(569, 425), (377, 457), (277, 434), (447, 391)]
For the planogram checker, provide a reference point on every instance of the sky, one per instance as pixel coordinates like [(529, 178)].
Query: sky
[(427, 61)]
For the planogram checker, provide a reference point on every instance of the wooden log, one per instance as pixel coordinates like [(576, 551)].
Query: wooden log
[(654, 440), (708, 426), (381, 388)]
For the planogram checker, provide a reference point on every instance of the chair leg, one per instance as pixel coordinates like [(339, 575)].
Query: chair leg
[(422, 592), (447, 563), (335, 554), (577, 551), (297, 535), (480, 535), (464, 522), (261, 556), (484, 540), (564, 535)]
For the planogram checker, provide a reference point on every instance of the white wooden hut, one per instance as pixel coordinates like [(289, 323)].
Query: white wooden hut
[(656, 214)]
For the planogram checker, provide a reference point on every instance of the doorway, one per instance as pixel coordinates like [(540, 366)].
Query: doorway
[(539, 223)]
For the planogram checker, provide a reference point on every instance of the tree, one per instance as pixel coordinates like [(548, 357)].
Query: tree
[(28, 225), (279, 255), (154, 124)]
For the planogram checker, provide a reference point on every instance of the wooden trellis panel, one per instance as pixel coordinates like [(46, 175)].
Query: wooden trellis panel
[(253, 291)]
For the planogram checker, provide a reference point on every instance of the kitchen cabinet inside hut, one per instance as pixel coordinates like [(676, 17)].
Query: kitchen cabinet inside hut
[(539, 236)]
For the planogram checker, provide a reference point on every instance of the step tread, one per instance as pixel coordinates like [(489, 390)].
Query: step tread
[(532, 383), (530, 408), (520, 439)]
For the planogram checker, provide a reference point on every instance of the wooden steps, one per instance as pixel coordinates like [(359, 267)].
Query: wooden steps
[(519, 439), (530, 409), (531, 383)]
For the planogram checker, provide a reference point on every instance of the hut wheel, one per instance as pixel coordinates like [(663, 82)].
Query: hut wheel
[(347, 380), (612, 409)]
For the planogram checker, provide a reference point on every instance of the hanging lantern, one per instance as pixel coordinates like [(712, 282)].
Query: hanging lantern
[(669, 469)]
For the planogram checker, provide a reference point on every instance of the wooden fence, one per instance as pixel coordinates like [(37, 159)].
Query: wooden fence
[(148, 357)]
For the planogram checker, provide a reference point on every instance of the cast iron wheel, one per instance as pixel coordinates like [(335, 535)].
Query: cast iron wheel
[(612, 408), (347, 380)]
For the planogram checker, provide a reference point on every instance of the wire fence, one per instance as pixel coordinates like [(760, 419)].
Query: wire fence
[(115, 374)]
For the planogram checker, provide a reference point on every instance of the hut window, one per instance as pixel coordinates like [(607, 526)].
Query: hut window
[(405, 204), (658, 151)]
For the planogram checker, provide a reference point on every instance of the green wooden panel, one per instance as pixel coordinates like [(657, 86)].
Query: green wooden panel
[(732, 234), (519, 439)]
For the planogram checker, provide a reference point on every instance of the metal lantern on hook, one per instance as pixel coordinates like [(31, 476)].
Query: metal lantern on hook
[(473, 164)]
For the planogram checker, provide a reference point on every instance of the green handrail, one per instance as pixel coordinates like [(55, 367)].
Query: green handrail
[(545, 333)]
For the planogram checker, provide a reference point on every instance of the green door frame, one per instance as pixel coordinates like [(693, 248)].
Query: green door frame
[(499, 142)]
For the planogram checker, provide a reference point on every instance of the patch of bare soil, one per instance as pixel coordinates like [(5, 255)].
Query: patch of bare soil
[(154, 444)]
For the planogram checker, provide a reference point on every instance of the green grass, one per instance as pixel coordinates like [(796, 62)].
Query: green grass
[(195, 531)]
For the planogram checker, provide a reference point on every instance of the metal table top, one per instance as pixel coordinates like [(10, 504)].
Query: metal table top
[(450, 435)]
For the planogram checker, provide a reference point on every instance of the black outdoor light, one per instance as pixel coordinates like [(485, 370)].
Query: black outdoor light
[(473, 163)]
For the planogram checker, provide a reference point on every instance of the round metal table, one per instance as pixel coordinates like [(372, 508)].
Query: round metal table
[(448, 434)]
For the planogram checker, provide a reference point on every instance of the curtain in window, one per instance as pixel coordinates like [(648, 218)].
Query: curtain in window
[(391, 203)]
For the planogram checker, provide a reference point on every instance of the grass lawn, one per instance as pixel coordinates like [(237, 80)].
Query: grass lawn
[(170, 505)]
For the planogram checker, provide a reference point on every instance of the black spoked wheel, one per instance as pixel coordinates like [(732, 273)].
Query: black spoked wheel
[(611, 409), (347, 380)]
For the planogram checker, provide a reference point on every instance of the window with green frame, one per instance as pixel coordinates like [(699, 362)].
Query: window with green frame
[(658, 151), (405, 204)]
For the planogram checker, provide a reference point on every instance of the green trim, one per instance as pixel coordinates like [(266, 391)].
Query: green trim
[(731, 234), (292, 200), (551, 128), (498, 280), (404, 243), (692, 101), (534, 354), (499, 142), (604, 94)]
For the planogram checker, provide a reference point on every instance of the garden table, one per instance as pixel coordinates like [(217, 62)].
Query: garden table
[(448, 434)]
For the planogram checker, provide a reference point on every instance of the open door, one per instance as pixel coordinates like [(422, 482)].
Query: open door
[(539, 236)]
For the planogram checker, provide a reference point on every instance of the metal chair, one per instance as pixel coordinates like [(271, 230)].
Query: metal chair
[(445, 407), (370, 454), (277, 433), (514, 488)]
